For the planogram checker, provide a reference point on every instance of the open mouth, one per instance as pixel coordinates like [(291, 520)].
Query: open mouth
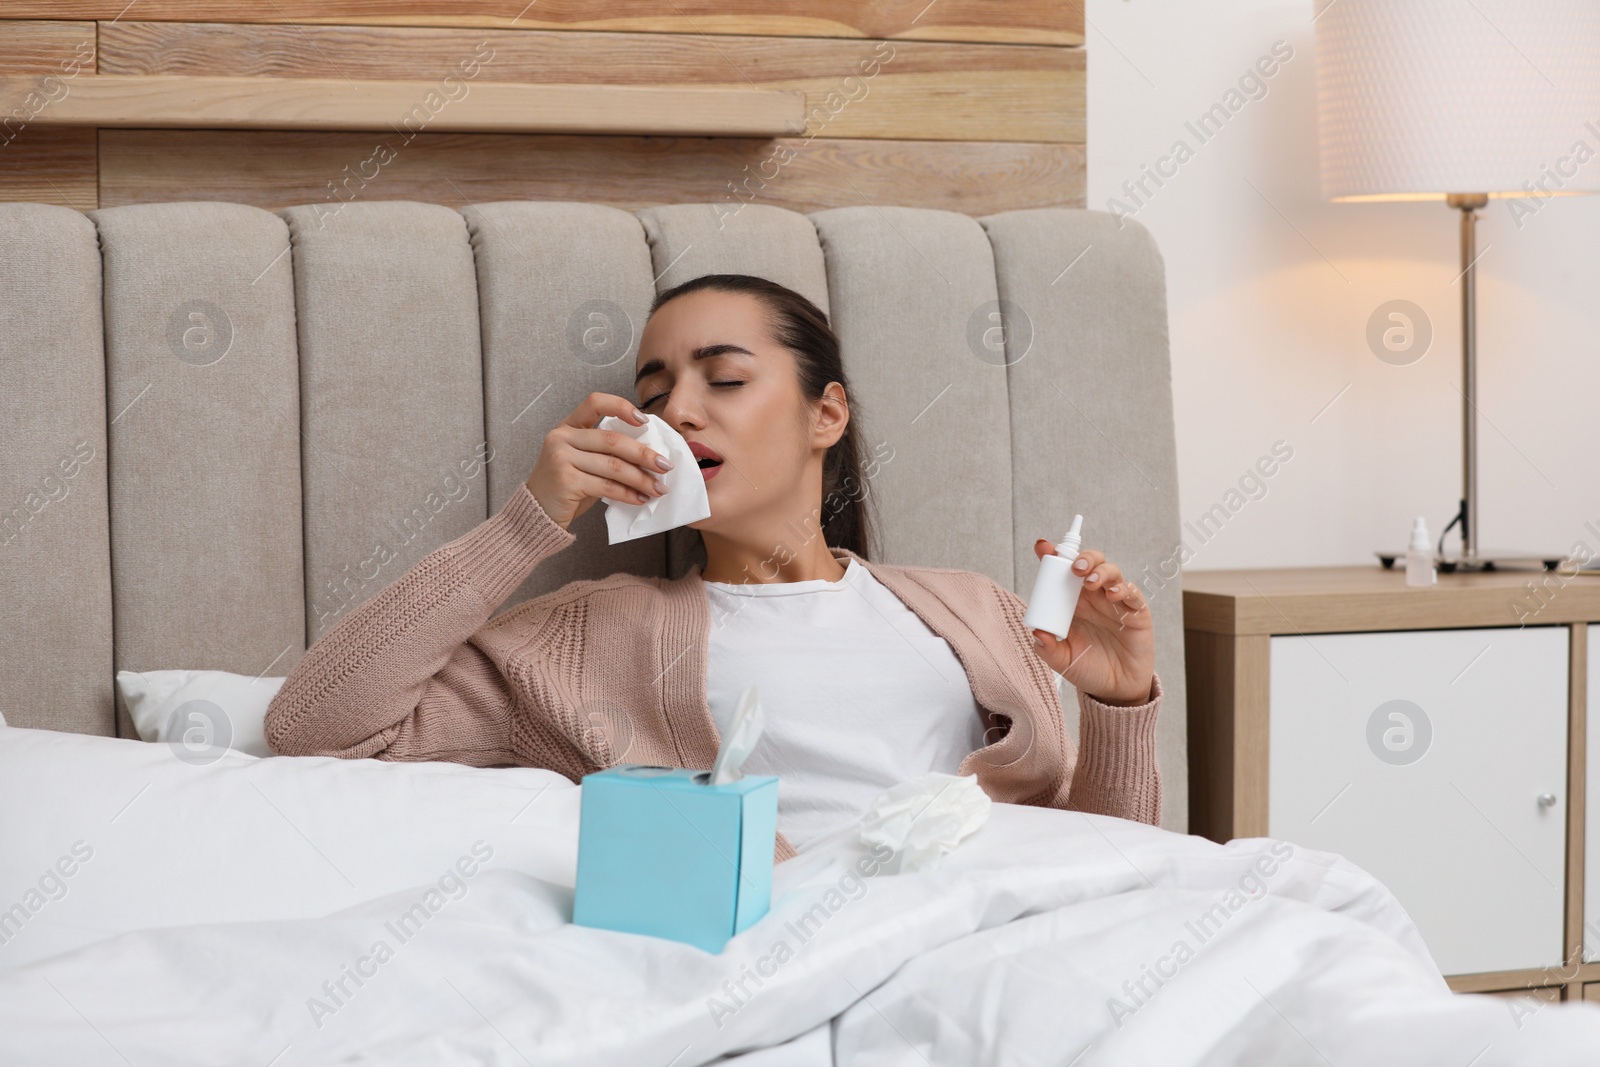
[(706, 458)]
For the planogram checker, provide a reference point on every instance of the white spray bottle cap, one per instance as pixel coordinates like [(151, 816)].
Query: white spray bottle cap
[(745, 731), (1068, 548), (1419, 534)]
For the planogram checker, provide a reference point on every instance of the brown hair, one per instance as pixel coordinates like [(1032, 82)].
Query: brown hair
[(802, 327)]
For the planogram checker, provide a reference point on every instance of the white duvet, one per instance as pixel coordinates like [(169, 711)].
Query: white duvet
[(282, 912)]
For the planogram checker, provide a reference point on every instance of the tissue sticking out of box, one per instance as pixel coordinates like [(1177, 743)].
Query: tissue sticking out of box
[(685, 500), (748, 722), (922, 818)]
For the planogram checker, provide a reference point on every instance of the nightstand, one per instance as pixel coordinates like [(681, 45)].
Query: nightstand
[(1433, 736)]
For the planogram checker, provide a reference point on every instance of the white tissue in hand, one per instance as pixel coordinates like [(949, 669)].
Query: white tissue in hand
[(923, 818), (685, 499)]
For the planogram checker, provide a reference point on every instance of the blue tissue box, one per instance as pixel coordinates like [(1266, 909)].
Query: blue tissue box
[(664, 853)]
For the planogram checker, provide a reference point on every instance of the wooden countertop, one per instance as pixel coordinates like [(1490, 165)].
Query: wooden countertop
[(1290, 600)]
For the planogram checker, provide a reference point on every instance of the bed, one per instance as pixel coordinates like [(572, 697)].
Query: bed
[(223, 426)]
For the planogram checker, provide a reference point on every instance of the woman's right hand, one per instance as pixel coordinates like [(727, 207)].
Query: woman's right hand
[(579, 465)]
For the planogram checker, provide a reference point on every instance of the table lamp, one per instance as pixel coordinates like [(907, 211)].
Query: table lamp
[(1431, 100)]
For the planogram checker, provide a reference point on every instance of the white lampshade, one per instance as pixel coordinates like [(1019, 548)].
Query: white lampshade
[(1422, 98)]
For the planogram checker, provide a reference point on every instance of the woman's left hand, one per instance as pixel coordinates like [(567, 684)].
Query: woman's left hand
[(1109, 652)]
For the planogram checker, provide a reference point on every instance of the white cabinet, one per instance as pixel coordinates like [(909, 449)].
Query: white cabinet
[(1437, 761)]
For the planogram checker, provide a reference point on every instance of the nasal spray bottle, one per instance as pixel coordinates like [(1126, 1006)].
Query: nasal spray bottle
[(1056, 589), (1419, 556)]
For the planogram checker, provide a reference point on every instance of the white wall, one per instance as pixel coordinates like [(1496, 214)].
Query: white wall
[(1270, 293)]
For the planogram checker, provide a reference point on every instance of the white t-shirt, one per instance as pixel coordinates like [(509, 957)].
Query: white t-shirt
[(859, 693)]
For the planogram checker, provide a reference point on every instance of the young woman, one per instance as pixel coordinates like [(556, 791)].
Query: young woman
[(869, 673)]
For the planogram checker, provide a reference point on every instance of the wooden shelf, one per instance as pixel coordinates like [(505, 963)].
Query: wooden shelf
[(412, 106)]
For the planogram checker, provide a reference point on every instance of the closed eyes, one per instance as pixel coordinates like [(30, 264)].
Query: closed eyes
[(658, 396)]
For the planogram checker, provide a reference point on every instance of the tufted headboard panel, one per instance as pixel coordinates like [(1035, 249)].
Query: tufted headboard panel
[(221, 427)]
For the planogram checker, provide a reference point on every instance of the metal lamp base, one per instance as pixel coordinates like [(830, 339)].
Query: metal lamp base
[(1481, 561)]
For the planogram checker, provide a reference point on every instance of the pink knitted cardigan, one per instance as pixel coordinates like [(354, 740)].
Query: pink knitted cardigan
[(423, 670)]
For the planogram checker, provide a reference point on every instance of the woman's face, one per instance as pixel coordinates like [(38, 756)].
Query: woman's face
[(710, 368)]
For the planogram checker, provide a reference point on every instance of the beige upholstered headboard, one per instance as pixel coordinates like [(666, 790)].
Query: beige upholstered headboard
[(220, 426)]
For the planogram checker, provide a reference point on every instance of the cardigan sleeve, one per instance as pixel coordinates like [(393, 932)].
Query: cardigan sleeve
[(399, 677), (1117, 772)]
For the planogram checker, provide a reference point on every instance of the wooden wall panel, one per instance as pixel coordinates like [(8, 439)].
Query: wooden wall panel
[(50, 165), (970, 105), (41, 47), (877, 89), (273, 169), (997, 21), (40, 162)]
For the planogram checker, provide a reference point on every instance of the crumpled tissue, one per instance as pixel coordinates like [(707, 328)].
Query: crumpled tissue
[(684, 501), (923, 818)]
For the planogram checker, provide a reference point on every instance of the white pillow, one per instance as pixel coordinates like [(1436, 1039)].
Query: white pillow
[(202, 714)]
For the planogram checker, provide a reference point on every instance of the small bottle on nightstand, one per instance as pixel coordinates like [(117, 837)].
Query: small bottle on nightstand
[(1419, 556)]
